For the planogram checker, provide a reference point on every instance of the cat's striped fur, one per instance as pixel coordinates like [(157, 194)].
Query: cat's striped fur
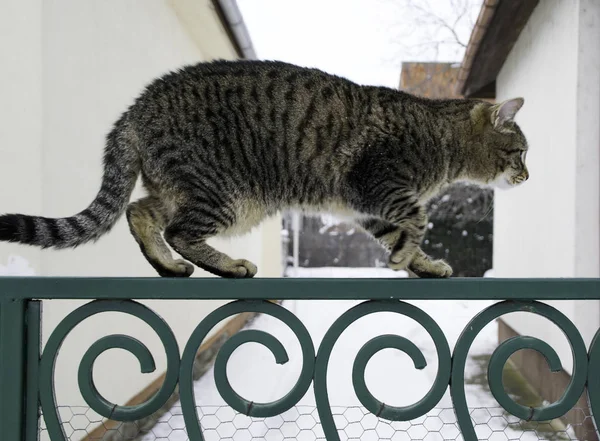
[(222, 145)]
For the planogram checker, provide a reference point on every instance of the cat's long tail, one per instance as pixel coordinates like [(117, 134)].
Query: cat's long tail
[(121, 169)]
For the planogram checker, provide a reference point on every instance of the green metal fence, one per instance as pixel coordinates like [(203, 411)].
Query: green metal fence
[(26, 372)]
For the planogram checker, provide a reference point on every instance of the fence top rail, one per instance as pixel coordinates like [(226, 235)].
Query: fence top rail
[(289, 288)]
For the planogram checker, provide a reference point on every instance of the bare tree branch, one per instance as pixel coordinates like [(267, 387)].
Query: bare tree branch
[(430, 31)]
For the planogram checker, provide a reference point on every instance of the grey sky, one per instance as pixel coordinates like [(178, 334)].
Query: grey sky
[(363, 40)]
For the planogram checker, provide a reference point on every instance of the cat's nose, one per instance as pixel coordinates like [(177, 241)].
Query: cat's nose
[(525, 175)]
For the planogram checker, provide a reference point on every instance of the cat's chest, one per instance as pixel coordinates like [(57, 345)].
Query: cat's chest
[(338, 210), (427, 194), (249, 214)]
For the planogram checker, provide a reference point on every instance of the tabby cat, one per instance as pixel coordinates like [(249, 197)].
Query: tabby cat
[(222, 145)]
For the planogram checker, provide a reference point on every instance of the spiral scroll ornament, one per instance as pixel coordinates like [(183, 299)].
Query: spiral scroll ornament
[(501, 355), (370, 348), (229, 395), (85, 376)]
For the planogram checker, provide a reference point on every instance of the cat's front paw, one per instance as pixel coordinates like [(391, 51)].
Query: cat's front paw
[(241, 269), (176, 268), (430, 269)]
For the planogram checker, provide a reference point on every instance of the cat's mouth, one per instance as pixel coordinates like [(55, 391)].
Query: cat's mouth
[(504, 182)]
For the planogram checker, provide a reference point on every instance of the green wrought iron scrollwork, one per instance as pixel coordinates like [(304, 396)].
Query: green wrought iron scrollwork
[(376, 407), (451, 368), (228, 394), (501, 355), (499, 359), (85, 377)]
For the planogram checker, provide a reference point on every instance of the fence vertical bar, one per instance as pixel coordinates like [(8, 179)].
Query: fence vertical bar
[(12, 372), (34, 340)]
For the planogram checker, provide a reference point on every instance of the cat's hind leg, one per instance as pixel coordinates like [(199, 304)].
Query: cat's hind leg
[(187, 234), (147, 219)]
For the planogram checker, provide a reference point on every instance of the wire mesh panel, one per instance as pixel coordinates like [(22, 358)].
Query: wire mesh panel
[(283, 418), (302, 423)]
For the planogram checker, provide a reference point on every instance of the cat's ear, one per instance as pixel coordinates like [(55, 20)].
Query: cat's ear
[(506, 111)]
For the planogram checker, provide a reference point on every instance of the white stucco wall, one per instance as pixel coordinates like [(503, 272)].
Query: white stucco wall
[(20, 117), (550, 227), (77, 64)]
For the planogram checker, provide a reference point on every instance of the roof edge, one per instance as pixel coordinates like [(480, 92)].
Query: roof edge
[(486, 14), (497, 30)]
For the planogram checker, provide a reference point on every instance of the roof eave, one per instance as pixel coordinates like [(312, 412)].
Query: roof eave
[(488, 8), (498, 27)]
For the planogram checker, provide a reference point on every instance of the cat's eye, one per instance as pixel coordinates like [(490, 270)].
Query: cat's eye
[(523, 155)]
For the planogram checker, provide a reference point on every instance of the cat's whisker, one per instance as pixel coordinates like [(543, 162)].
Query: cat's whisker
[(488, 211)]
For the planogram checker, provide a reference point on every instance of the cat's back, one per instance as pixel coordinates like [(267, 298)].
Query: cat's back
[(263, 105), (271, 76)]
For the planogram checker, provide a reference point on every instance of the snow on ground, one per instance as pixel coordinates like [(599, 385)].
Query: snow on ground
[(344, 273), (391, 375)]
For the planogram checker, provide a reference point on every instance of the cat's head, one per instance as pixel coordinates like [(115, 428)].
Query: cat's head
[(501, 144)]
